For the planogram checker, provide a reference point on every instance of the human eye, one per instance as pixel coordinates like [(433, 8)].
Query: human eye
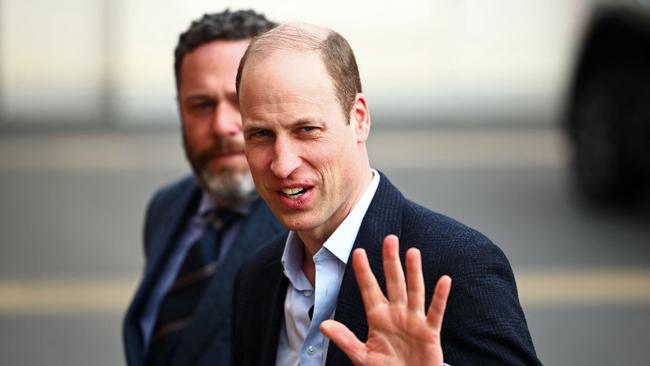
[(258, 134), (309, 131), (201, 105)]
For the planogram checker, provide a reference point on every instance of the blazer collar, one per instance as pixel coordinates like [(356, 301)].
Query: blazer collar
[(384, 216), (277, 289)]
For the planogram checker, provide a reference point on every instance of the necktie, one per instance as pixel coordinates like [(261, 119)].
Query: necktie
[(177, 307)]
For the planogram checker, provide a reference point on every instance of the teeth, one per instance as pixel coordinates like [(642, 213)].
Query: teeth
[(292, 191)]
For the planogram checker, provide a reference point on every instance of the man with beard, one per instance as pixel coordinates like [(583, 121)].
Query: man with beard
[(199, 229)]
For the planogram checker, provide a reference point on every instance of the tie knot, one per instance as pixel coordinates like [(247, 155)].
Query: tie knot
[(222, 219)]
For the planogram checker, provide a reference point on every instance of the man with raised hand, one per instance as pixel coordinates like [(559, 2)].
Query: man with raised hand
[(306, 124)]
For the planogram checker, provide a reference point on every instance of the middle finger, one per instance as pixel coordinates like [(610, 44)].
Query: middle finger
[(395, 283)]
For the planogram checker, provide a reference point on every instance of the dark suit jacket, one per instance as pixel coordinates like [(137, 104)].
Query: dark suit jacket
[(483, 325), (208, 337)]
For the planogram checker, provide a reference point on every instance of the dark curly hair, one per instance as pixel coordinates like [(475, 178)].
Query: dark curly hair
[(226, 25)]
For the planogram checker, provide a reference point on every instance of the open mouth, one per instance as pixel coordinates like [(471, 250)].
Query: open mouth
[(294, 193)]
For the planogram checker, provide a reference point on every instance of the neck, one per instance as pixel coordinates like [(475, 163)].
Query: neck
[(313, 240)]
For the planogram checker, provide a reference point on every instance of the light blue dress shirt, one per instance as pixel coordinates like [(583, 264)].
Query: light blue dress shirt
[(191, 233), (301, 342)]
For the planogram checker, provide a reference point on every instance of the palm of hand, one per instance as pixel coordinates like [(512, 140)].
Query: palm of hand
[(399, 331), (397, 336)]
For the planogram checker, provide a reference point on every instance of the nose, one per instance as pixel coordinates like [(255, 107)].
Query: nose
[(285, 158), (226, 120)]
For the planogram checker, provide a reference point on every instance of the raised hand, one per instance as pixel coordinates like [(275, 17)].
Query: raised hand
[(399, 331)]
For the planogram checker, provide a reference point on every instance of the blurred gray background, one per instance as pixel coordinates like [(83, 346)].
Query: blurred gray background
[(465, 98)]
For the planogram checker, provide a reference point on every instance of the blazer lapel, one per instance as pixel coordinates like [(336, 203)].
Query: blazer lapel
[(258, 318), (162, 244), (382, 218), (277, 289), (210, 329)]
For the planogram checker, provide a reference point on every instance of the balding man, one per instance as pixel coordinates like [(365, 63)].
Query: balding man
[(306, 125)]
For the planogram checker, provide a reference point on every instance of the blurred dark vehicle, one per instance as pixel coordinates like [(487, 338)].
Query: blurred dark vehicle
[(607, 113)]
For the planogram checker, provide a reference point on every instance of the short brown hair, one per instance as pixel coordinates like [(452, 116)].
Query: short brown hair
[(335, 51)]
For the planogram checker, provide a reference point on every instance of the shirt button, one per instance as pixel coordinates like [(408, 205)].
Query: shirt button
[(308, 293), (311, 350)]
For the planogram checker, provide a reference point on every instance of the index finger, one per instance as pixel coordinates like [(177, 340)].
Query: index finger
[(370, 291)]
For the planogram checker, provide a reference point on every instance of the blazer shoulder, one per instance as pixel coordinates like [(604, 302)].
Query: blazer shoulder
[(421, 224), (164, 206), (484, 322), (435, 234), (170, 192)]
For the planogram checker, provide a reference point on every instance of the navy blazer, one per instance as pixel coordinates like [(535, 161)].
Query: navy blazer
[(207, 339), (483, 324)]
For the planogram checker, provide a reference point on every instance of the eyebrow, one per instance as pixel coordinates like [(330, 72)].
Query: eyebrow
[(197, 96), (298, 123), (305, 121)]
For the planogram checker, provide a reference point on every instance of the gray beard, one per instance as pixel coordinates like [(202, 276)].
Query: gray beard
[(237, 188)]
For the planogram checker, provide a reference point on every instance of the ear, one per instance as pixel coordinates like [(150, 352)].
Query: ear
[(360, 117)]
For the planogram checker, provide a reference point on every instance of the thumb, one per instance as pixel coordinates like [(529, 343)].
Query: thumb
[(345, 340)]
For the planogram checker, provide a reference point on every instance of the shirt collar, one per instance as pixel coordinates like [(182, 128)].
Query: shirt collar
[(342, 239), (292, 258), (339, 243)]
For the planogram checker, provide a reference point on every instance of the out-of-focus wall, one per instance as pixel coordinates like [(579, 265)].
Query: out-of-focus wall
[(93, 62)]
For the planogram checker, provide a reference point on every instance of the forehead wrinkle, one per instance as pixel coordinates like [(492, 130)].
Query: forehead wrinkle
[(288, 110)]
